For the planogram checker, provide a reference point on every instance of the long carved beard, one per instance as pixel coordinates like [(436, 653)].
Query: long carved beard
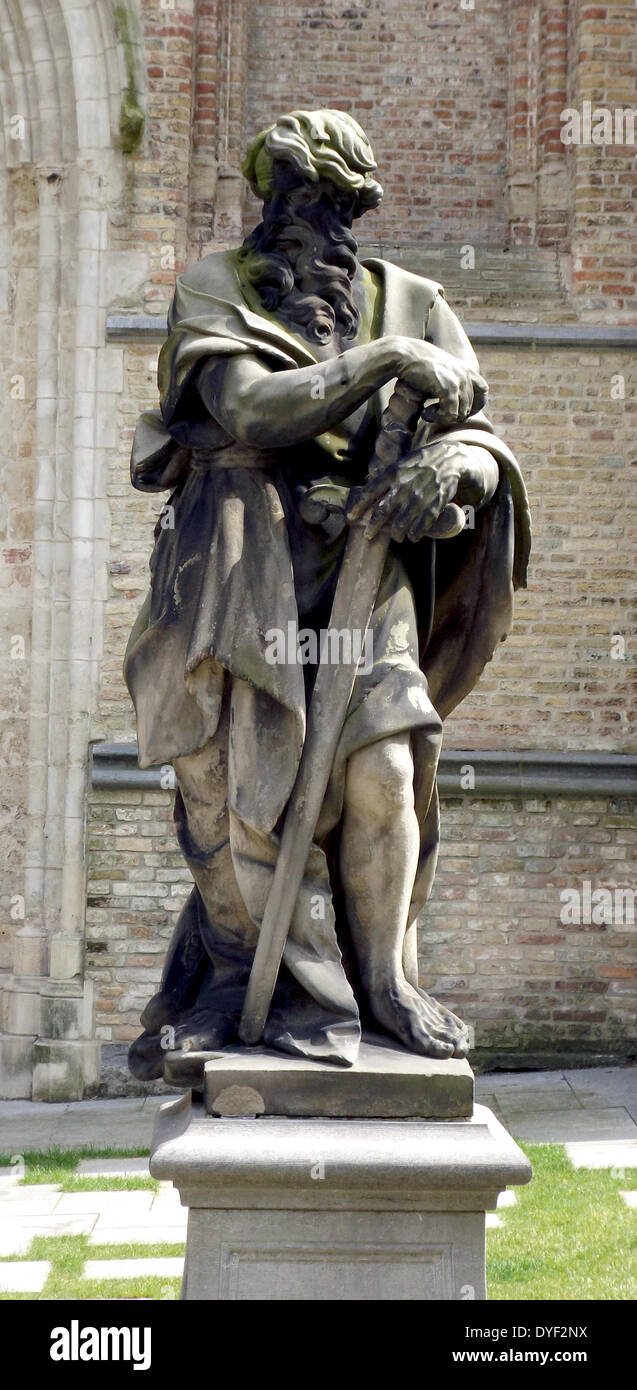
[(310, 274)]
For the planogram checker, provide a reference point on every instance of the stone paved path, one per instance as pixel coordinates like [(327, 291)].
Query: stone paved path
[(106, 1217), (545, 1107)]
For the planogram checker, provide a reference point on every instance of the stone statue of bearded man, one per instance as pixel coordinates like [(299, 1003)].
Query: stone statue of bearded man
[(279, 361)]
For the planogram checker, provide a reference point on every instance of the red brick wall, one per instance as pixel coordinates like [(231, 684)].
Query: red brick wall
[(492, 942), (153, 216), (555, 682), (552, 211), (463, 109), (603, 71), (204, 124), (427, 82)]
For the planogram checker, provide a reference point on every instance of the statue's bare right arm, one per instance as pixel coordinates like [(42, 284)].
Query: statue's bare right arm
[(265, 409)]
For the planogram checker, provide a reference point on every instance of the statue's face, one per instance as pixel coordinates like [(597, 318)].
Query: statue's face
[(302, 257), (303, 201)]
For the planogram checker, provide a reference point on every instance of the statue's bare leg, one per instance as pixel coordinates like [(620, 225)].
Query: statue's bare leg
[(410, 967), (379, 856)]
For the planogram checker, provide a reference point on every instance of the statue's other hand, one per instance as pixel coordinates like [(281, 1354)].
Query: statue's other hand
[(408, 498), (460, 391)]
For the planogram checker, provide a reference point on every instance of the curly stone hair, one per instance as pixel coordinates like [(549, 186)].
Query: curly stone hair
[(320, 144), (301, 258)]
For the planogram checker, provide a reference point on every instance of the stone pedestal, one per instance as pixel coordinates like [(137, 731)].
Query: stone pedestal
[(340, 1209), (386, 1082)]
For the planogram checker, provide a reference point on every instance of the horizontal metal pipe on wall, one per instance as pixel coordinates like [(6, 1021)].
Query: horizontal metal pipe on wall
[(478, 774), (150, 327)]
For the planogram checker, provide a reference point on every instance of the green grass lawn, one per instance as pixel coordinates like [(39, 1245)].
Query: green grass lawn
[(58, 1165), (569, 1236), (68, 1254)]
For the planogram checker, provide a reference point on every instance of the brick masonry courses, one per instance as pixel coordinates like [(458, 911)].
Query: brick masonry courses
[(555, 682), (492, 941), (463, 108)]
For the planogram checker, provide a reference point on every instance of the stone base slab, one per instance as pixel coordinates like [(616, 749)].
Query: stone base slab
[(301, 1209), (385, 1082)]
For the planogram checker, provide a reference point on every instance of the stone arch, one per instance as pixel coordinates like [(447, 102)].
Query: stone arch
[(67, 69)]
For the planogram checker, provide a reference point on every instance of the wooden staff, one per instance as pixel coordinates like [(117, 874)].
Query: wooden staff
[(356, 590)]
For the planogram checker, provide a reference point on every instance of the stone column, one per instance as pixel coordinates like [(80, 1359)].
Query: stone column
[(232, 72), (205, 129), (65, 77), (552, 173), (523, 21), (21, 1002), (66, 1056)]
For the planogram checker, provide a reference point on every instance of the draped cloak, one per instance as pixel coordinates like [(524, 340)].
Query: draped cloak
[(232, 562)]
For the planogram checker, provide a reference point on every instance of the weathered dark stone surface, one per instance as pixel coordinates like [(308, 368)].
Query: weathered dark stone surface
[(385, 1082), (332, 472)]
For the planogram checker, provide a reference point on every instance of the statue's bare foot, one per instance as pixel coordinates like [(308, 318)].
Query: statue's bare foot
[(416, 1020), (450, 1021)]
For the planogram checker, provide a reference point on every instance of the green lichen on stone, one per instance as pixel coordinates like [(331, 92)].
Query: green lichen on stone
[(131, 116), (131, 123)]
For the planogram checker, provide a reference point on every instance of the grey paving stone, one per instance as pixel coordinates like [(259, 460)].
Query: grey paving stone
[(54, 1224), (27, 1190), (99, 1131), (533, 1105), (21, 1133), (113, 1167), (599, 1087), (618, 1154), (15, 1241), (119, 1206), (27, 1205), (170, 1216), (9, 1178), (487, 1098), (128, 1105), (563, 1127), (35, 1125), (498, 1082), (162, 1266), (32, 1108), (167, 1201), (506, 1199), (24, 1276), (630, 1198), (513, 1103)]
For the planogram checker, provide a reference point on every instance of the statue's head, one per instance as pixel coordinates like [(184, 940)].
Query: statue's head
[(314, 172), (318, 146)]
